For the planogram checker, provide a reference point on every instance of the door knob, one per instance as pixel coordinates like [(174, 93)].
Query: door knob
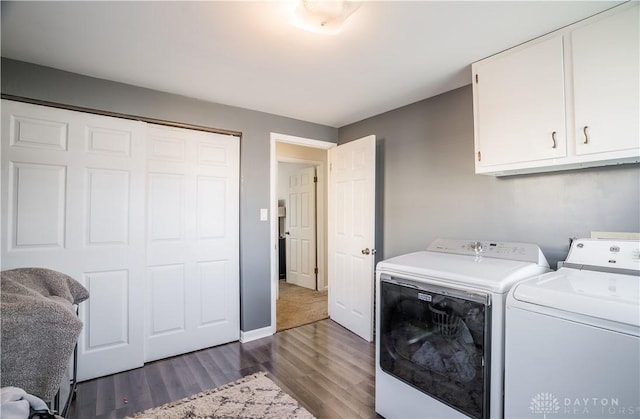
[(366, 251)]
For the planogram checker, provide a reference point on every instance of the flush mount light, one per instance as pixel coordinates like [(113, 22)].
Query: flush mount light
[(323, 16)]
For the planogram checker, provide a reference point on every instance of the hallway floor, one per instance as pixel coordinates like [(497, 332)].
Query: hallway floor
[(298, 306)]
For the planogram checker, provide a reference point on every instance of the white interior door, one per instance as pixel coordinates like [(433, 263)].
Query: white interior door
[(301, 228), (351, 223), (192, 241), (73, 201)]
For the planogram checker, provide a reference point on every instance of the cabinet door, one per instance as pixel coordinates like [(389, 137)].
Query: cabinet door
[(606, 84), (519, 106)]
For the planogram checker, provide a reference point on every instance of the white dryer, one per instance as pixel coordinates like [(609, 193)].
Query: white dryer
[(573, 336), (440, 327)]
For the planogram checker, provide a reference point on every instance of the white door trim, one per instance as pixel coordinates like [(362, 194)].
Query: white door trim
[(273, 184)]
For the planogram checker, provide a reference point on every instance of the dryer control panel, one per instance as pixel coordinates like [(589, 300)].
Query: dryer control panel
[(615, 254), (524, 252)]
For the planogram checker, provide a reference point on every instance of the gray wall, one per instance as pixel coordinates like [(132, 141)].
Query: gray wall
[(43, 83), (426, 181), (429, 188)]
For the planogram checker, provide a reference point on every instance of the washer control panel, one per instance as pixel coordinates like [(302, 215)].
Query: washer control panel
[(525, 252), (618, 254)]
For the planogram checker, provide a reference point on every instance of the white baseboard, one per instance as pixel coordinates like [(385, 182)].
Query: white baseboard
[(256, 334)]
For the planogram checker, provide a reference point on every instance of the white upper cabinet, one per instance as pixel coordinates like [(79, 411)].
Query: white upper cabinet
[(606, 84), (529, 125), (564, 101)]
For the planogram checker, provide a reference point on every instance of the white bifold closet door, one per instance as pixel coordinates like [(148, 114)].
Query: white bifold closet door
[(192, 241), (135, 212), (72, 196)]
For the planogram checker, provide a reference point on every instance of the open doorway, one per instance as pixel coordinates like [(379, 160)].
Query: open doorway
[(299, 291), (302, 298)]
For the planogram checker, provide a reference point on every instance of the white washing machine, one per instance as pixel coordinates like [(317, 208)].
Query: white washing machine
[(440, 327), (573, 336)]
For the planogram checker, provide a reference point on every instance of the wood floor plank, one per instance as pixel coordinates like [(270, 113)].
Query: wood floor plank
[(106, 401), (333, 360), (171, 381), (329, 370), (230, 359), (342, 340), (108, 415), (199, 372), (261, 350), (344, 394), (225, 365), (185, 376), (122, 387), (84, 404), (286, 366), (138, 396), (217, 376), (287, 375), (329, 401), (157, 386), (310, 399)]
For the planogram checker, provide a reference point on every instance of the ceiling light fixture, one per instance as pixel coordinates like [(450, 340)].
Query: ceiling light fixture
[(323, 16)]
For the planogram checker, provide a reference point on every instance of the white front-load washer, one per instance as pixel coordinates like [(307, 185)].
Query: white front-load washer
[(440, 327), (573, 336)]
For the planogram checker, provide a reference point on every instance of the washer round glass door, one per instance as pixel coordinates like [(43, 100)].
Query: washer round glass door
[(436, 339)]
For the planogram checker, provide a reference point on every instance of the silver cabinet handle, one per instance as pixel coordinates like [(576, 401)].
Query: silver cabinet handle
[(586, 134), (553, 137)]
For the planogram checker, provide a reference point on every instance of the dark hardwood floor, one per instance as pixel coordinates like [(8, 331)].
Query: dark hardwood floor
[(328, 369)]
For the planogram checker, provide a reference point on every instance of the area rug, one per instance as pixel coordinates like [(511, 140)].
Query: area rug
[(254, 396)]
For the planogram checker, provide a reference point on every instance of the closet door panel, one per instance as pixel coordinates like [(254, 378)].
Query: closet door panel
[(192, 247), (107, 207), (73, 201), (145, 216), (37, 205)]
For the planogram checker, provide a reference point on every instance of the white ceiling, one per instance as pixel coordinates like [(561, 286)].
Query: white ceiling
[(246, 54)]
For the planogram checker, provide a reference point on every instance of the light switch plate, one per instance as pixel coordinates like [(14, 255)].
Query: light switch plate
[(264, 214)]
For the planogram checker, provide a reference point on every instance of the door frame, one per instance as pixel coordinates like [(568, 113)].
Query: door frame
[(273, 187)]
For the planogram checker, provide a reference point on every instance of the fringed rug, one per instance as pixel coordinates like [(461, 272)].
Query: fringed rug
[(254, 396)]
